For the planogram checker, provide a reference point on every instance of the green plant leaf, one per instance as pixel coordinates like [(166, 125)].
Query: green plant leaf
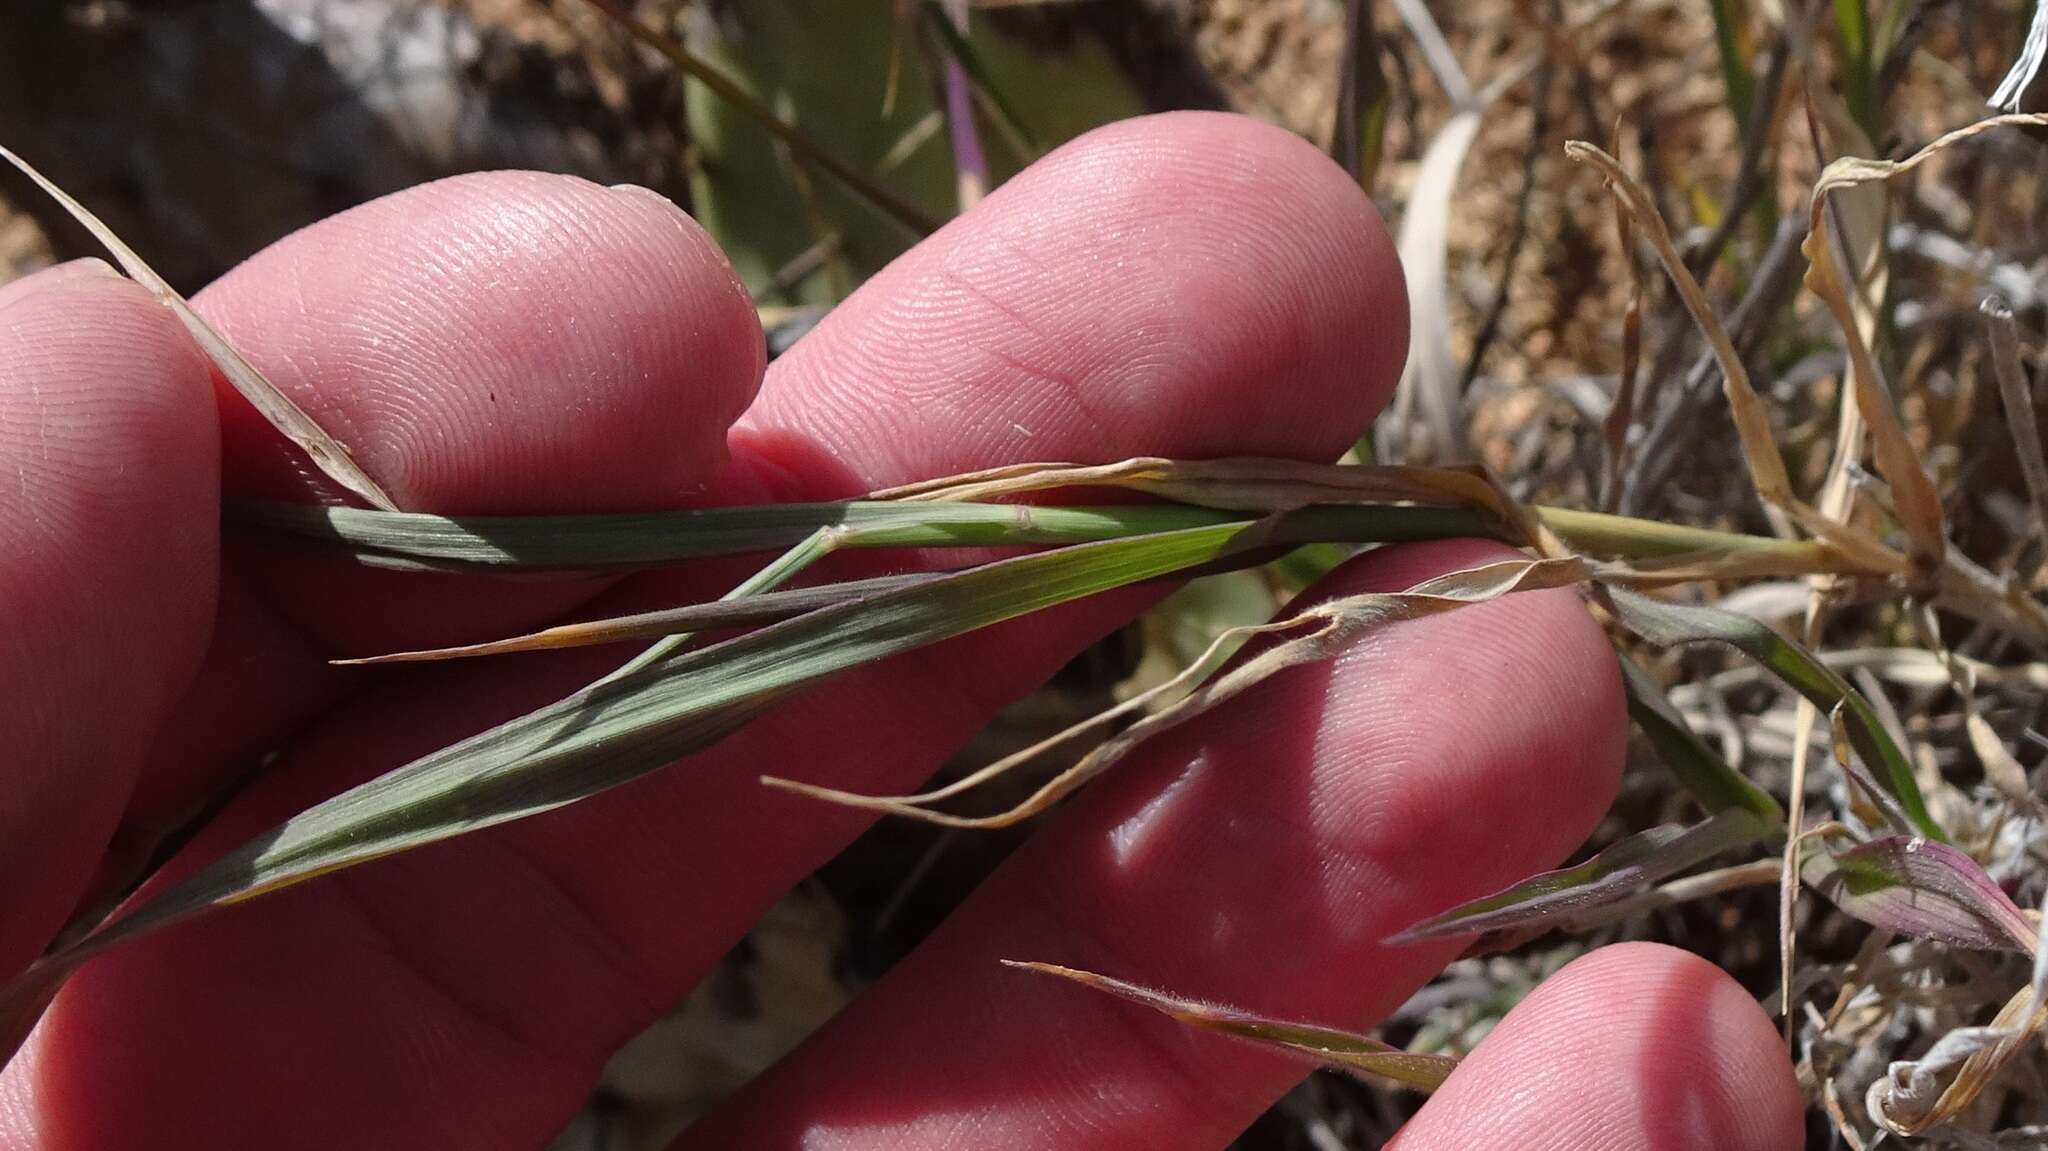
[(623, 727), (1666, 624), (1699, 769)]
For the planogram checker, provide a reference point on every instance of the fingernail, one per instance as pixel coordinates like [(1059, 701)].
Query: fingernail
[(90, 265)]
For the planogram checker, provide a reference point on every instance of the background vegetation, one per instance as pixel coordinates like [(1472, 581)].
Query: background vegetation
[(1548, 348)]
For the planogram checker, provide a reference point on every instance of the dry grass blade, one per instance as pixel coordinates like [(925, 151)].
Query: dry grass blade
[(1621, 414), (1910, 1098), (1752, 420), (1623, 870), (1913, 491), (1430, 380), (1330, 626), (328, 453), (720, 615), (1342, 1050), (916, 806), (2017, 395), (2001, 770), (1238, 484), (1752, 423)]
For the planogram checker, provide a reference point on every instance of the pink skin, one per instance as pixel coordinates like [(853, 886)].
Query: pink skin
[(1184, 285)]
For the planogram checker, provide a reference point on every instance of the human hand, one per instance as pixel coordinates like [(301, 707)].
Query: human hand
[(1187, 285)]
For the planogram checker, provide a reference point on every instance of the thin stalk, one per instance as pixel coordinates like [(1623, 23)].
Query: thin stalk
[(779, 571), (646, 539)]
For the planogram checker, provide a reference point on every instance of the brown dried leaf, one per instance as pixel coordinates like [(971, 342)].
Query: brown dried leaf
[(1327, 1046)]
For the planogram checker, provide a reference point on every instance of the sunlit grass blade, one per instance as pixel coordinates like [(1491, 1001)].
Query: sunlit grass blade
[(1698, 768), (328, 453), (1428, 395), (1666, 624), (1627, 868), (621, 728), (1923, 890), (1328, 1046)]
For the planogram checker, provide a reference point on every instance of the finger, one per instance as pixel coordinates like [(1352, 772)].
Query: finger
[(509, 964), (505, 342), (1257, 857), (70, 271), (108, 553), (1185, 280), (1636, 1045)]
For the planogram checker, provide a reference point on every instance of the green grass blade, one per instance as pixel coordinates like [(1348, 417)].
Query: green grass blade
[(1666, 624), (1698, 768), (1738, 75), (619, 729), (1859, 67)]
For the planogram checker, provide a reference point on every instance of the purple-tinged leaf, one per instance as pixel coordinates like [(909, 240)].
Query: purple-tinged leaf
[(1923, 889), (1328, 1046), (1622, 870)]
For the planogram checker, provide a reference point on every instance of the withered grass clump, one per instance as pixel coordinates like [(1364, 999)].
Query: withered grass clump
[(1845, 770)]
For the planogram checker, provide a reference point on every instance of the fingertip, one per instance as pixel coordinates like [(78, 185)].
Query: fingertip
[(1287, 196), (55, 276), (1188, 284), (498, 342), (1479, 781), (1634, 1045), (1335, 269)]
